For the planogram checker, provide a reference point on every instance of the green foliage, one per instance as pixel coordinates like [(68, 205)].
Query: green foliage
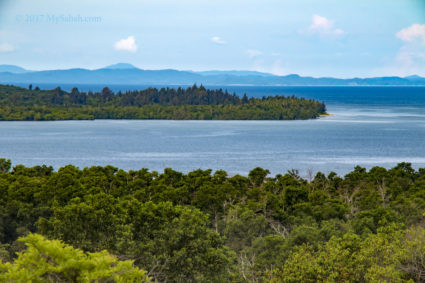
[(54, 261), (5, 165), (193, 103), (392, 255), (206, 226), (172, 242)]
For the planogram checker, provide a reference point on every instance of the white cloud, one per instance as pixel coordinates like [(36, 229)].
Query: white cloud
[(6, 47), (217, 40), (412, 33), (409, 60), (126, 44), (324, 27), (252, 53)]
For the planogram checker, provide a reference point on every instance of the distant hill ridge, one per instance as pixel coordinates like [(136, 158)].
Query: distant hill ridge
[(124, 73)]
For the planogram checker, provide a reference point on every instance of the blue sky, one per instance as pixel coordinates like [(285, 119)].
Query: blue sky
[(339, 38)]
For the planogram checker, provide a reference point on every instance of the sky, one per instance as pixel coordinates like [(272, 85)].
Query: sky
[(326, 38)]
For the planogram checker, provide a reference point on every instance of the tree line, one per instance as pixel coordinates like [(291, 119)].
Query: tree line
[(192, 103), (205, 226)]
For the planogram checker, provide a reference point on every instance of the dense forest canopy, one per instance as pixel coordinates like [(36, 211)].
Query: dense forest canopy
[(192, 103), (205, 226)]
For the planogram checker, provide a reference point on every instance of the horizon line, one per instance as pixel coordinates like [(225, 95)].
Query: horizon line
[(206, 70)]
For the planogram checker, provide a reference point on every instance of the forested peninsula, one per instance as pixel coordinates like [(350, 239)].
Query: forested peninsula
[(103, 224), (192, 103)]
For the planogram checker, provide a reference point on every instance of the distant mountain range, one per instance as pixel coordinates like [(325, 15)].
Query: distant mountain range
[(123, 73)]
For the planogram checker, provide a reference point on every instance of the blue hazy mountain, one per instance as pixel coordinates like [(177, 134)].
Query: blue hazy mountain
[(234, 73), (12, 69), (123, 73), (120, 66)]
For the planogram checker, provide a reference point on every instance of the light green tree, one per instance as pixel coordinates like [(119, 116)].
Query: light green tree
[(53, 261)]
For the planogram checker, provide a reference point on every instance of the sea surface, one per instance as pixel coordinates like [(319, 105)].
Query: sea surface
[(370, 126)]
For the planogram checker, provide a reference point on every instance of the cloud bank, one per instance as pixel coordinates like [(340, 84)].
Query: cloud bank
[(410, 58), (126, 44), (217, 40), (324, 27), (412, 33)]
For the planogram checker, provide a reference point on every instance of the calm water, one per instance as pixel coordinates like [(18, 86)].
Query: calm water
[(382, 129)]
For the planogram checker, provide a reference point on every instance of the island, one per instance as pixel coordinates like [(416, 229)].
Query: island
[(192, 103)]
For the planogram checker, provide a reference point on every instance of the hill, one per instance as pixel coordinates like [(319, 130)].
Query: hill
[(123, 73), (12, 69)]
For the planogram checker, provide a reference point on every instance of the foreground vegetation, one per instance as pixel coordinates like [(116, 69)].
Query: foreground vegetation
[(193, 103), (205, 226), (53, 261)]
